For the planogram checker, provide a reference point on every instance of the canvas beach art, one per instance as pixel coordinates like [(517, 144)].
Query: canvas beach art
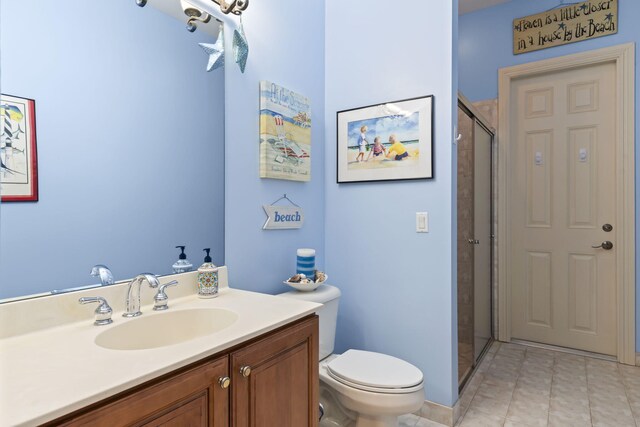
[(285, 134), (390, 141), (18, 160)]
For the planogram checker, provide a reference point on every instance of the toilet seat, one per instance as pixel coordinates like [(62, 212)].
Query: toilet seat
[(375, 372)]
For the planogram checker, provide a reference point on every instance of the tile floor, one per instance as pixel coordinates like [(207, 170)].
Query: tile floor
[(521, 386)]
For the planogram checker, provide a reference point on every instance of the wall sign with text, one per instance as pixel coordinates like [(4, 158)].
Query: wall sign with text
[(283, 217), (567, 24)]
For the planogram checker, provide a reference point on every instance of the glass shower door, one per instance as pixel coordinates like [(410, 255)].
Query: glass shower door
[(466, 357), (475, 240), (482, 220)]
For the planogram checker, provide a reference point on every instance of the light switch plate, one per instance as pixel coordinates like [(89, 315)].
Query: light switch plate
[(422, 222)]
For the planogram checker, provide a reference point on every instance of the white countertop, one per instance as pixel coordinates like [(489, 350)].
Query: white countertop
[(48, 373)]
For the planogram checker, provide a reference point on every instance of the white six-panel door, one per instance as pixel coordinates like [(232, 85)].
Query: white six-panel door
[(562, 172)]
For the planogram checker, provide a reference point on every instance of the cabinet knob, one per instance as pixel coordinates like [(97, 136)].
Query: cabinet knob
[(224, 382), (245, 371)]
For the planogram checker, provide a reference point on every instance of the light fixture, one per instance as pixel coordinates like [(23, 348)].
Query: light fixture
[(195, 16), (233, 6)]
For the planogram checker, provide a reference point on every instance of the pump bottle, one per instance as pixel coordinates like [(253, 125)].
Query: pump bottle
[(207, 278)]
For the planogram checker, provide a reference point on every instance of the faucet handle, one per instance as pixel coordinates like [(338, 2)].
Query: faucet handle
[(161, 300), (103, 312)]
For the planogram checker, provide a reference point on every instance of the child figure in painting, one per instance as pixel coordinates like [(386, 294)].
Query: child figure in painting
[(377, 150), (398, 148), (362, 144)]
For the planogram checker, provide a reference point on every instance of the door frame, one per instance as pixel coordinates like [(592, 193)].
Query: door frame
[(623, 57)]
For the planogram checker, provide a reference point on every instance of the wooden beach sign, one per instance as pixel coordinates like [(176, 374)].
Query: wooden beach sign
[(283, 217), (567, 24)]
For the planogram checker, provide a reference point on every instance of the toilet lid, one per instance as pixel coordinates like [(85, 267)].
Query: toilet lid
[(374, 370)]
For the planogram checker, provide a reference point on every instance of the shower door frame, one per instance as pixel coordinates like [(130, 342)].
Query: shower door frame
[(478, 119)]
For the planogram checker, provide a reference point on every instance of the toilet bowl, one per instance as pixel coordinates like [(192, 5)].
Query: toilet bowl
[(375, 396), (360, 388)]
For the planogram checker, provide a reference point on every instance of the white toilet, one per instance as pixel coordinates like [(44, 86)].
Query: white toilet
[(369, 388)]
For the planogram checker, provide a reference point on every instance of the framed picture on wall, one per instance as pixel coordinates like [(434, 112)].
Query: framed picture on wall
[(18, 158), (386, 142), (285, 133)]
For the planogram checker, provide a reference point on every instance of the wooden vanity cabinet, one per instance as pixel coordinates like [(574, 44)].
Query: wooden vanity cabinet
[(273, 382), (191, 398)]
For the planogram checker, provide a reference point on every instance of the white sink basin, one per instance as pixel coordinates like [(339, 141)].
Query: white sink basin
[(167, 328)]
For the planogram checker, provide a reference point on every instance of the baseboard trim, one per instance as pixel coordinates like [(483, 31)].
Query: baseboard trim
[(437, 413)]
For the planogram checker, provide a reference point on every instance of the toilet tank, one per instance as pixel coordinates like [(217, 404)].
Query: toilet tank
[(329, 296)]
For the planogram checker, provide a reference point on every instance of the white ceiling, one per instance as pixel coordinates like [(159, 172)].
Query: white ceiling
[(466, 6)]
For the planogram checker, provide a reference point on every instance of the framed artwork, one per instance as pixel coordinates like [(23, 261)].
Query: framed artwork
[(18, 158), (386, 142), (285, 134)]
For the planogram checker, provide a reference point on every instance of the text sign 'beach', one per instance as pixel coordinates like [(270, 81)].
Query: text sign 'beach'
[(283, 217), (567, 24)]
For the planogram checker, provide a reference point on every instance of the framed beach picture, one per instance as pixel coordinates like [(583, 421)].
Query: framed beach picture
[(386, 142), (18, 159), (285, 133)]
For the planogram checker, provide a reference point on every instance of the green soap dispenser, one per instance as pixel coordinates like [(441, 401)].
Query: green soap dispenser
[(207, 278), (182, 265)]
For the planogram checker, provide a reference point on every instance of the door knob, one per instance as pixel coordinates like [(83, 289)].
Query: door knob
[(245, 371), (606, 245), (224, 382)]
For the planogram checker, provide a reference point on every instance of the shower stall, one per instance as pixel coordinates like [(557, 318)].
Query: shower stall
[(475, 237)]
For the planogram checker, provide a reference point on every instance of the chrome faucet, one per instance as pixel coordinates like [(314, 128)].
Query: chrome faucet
[(106, 277), (132, 303)]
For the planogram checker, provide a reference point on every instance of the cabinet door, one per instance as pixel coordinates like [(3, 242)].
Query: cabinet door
[(282, 386), (193, 398)]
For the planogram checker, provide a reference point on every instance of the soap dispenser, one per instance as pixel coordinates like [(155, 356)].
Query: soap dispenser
[(207, 278), (182, 265)]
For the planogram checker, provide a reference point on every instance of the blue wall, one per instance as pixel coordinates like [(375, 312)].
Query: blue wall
[(485, 45), (130, 151), (398, 285), (286, 46)]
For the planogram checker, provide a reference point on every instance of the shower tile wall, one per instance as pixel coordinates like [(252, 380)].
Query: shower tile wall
[(489, 110), (465, 250)]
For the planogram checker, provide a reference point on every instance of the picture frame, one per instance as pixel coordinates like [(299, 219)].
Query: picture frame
[(285, 133), (390, 141), (18, 153)]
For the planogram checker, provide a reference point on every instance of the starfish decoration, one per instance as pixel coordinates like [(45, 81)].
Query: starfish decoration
[(240, 47), (562, 26), (609, 17), (215, 52)]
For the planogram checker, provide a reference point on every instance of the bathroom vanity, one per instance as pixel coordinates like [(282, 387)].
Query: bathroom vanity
[(270, 381), (260, 369)]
